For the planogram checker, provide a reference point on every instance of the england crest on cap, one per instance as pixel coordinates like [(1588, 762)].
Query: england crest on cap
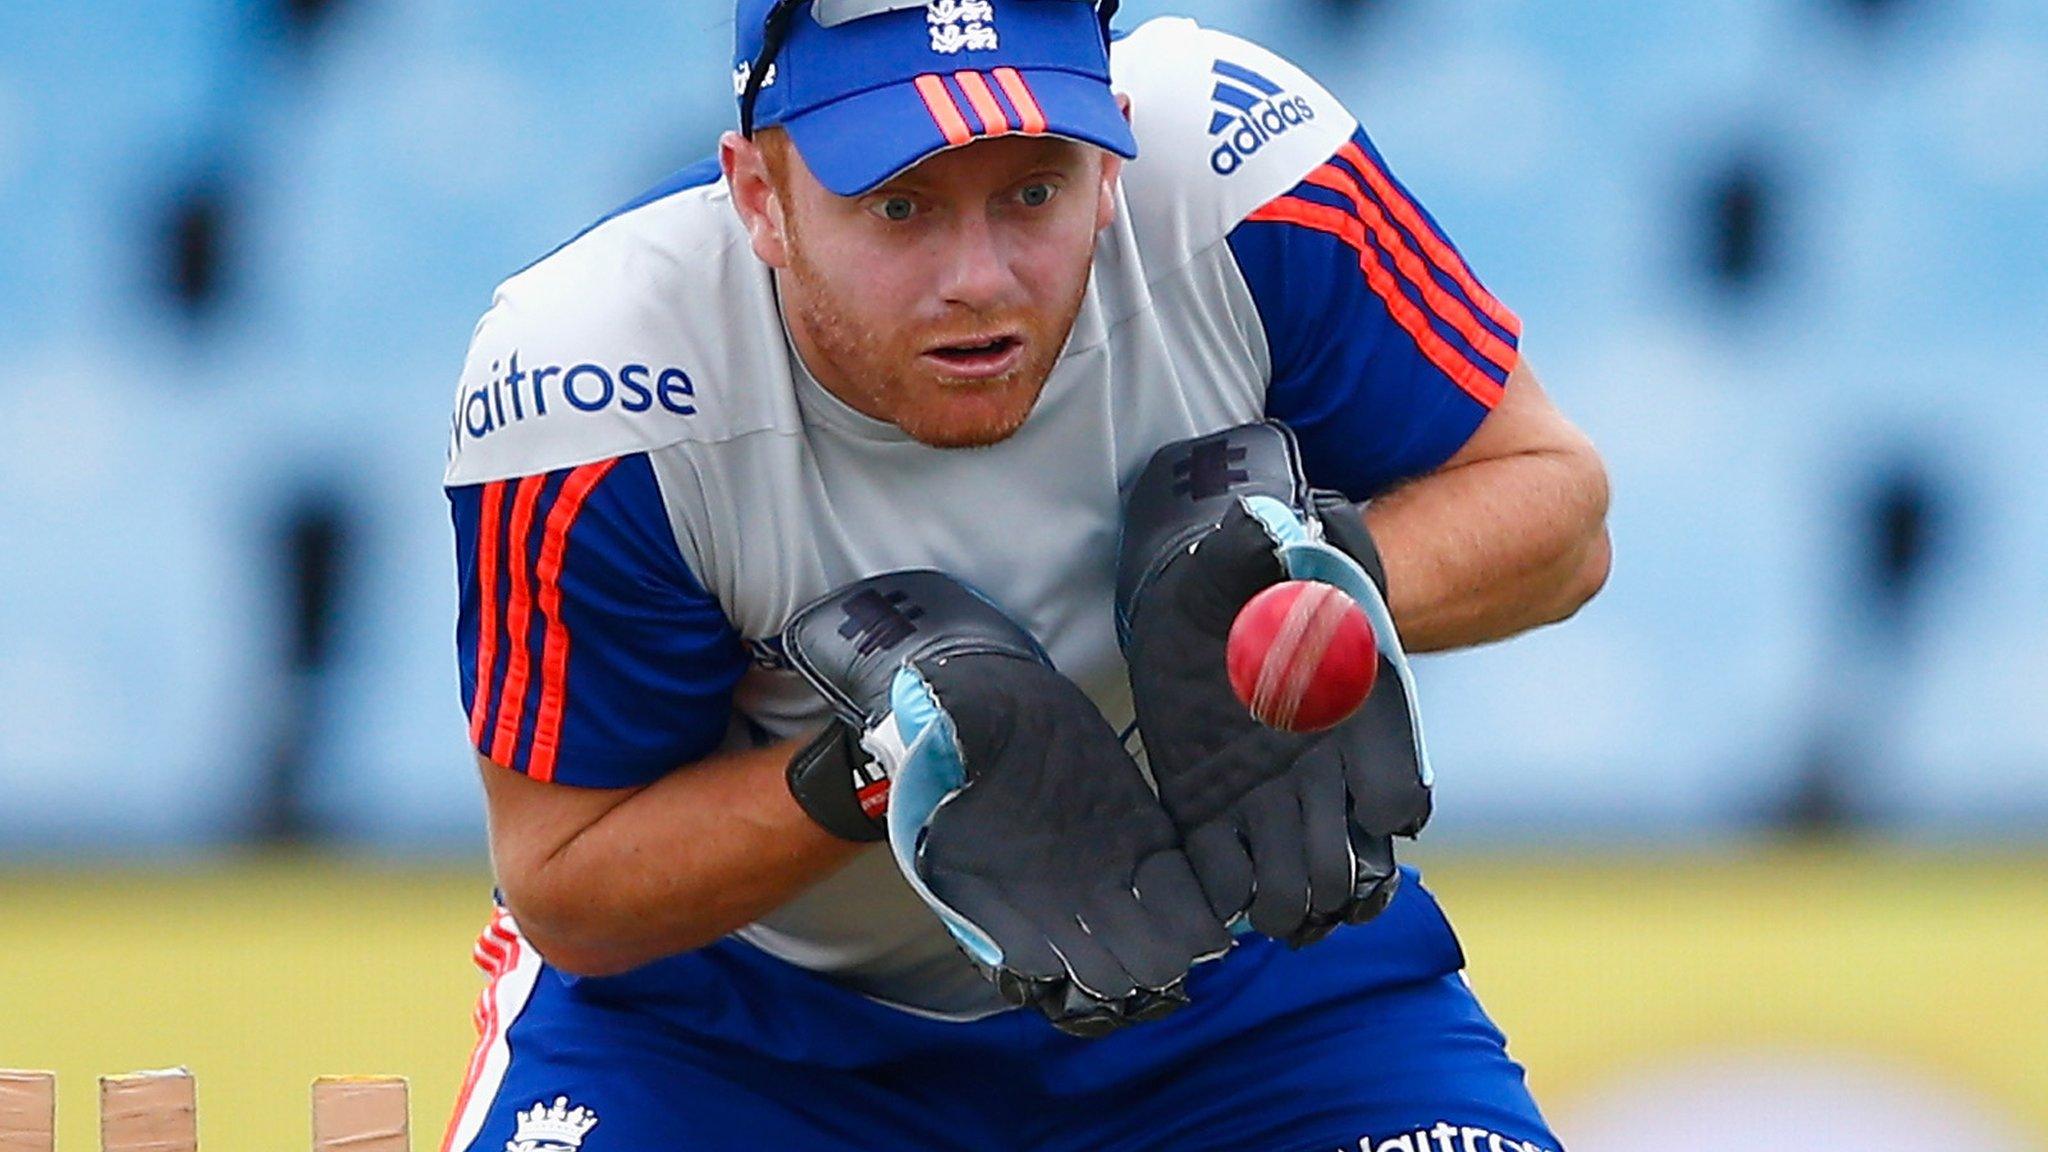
[(962, 25)]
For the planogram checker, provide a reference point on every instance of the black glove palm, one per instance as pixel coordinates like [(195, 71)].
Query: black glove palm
[(1057, 849), (1012, 805), (1293, 829)]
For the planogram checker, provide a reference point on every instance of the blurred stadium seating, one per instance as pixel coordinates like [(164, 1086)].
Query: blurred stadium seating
[(1781, 257)]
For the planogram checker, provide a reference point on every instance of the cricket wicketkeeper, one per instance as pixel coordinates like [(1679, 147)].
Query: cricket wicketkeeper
[(848, 532)]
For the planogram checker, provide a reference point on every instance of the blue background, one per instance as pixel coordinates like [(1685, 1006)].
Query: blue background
[(385, 172)]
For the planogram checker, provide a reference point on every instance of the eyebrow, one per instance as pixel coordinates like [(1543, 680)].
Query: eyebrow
[(1051, 163)]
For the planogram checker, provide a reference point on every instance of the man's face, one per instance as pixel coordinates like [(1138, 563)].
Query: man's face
[(940, 301)]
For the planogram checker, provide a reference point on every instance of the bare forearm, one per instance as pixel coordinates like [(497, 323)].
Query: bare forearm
[(664, 869), (1499, 541)]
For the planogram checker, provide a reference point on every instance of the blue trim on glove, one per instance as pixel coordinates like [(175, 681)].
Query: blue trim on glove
[(1306, 557), (932, 772)]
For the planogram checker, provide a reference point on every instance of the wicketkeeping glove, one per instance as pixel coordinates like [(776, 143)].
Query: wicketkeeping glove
[(1013, 809), (1293, 829)]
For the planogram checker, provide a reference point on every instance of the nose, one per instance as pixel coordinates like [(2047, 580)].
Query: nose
[(976, 270)]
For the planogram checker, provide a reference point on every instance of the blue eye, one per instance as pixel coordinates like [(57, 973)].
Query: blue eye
[(1037, 195), (895, 209)]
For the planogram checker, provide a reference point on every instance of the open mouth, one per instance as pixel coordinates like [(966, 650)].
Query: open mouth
[(978, 358)]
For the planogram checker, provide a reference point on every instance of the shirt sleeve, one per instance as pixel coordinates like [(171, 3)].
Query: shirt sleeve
[(590, 654), (1387, 352)]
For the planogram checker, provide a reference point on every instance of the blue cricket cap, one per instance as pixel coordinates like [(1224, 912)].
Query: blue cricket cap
[(869, 88)]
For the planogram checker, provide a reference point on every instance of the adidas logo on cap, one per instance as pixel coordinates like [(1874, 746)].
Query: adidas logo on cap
[(1251, 110)]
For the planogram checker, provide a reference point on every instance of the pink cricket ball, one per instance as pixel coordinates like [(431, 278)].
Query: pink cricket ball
[(1302, 656)]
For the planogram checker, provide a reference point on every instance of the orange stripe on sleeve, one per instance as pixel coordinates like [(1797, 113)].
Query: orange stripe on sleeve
[(994, 121), (1453, 310), (487, 608), (1348, 228), (938, 100), (1440, 253), (518, 624), (1019, 92), (554, 685)]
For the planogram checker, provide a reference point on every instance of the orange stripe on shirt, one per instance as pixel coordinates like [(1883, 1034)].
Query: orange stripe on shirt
[(1454, 311), (518, 624), (938, 100), (994, 121), (487, 609), (1019, 92), (1346, 227), (505, 957), (1440, 253), (554, 684)]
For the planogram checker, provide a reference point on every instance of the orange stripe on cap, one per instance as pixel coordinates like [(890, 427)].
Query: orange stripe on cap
[(554, 684), (518, 623), (1019, 92), (938, 100), (1348, 228), (1440, 253), (486, 608), (994, 121), (1334, 178)]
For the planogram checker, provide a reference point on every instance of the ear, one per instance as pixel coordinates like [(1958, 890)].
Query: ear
[(755, 198), (1112, 169)]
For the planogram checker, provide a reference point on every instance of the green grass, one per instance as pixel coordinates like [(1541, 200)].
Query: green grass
[(260, 976), (1936, 963)]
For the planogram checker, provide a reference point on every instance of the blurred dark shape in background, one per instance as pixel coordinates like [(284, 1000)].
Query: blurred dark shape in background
[(203, 215), (310, 543), (1345, 16), (314, 544), (1872, 12), (1739, 226), (305, 18), (1900, 518), (1903, 517), (197, 235)]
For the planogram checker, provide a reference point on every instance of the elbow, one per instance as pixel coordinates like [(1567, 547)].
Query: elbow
[(582, 936), (1595, 565), (582, 891), (562, 937), (1591, 561), (565, 954)]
